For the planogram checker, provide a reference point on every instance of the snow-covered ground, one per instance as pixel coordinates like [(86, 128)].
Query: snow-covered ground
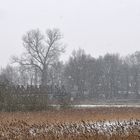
[(94, 106), (101, 127)]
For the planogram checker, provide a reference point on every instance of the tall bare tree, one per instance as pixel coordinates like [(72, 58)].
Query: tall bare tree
[(41, 51)]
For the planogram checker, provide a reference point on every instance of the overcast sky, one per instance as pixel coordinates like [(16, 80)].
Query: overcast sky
[(98, 26)]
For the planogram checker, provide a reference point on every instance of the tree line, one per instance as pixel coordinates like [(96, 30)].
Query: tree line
[(107, 77)]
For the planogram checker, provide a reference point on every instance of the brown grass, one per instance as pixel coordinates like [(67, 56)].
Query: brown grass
[(71, 124), (72, 115)]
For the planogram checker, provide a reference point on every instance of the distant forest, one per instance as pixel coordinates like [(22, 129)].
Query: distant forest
[(107, 77)]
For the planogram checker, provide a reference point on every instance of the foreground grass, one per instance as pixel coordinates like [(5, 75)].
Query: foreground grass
[(78, 124)]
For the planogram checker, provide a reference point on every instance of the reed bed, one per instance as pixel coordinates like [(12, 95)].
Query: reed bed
[(83, 130), (39, 126)]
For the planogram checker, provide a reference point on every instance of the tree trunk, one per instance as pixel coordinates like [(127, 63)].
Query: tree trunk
[(44, 77)]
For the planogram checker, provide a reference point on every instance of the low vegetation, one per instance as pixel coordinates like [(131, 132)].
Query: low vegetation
[(79, 124)]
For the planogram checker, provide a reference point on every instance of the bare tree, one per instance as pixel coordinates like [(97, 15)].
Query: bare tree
[(77, 71), (41, 51), (9, 74)]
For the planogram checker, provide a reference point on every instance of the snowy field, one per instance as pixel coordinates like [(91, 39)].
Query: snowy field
[(83, 130), (108, 129), (95, 106), (93, 123)]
